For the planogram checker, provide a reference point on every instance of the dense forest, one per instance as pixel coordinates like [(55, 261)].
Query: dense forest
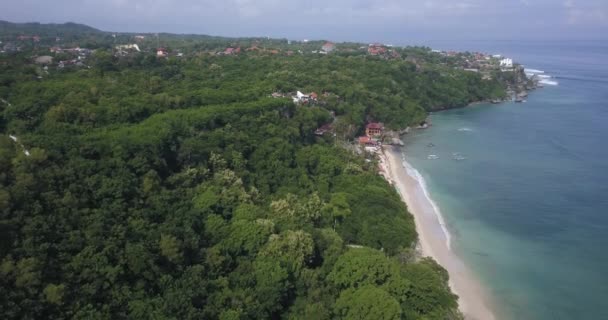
[(145, 187)]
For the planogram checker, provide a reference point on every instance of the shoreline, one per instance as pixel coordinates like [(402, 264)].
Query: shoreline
[(433, 237)]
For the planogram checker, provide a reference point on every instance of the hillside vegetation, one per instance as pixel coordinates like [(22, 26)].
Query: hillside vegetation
[(177, 188)]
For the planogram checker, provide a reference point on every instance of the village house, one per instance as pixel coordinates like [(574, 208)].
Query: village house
[(328, 47), (44, 60), (231, 51), (374, 129), (305, 98), (161, 52), (324, 129), (376, 49)]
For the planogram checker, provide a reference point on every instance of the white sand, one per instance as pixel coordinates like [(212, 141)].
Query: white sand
[(433, 240)]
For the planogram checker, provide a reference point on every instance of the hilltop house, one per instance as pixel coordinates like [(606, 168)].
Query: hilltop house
[(506, 63)]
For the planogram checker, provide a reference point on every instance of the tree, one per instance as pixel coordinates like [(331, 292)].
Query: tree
[(338, 207), (54, 293), (170, 248), (293, 249), (367, 303), (362, 266)]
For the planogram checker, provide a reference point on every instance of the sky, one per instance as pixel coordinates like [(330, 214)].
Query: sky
[(390, 21)]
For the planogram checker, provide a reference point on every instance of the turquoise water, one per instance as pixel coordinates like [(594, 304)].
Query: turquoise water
[(528, 207)]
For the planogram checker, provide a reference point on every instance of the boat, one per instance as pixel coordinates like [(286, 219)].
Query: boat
[(432, 157), (458, 157), (430, 145)]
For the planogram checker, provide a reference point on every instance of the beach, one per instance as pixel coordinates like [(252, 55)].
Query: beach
[(434, 240)]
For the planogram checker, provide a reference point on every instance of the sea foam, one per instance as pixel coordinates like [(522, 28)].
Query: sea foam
[(533, 71), (415, 174), (549, 82)]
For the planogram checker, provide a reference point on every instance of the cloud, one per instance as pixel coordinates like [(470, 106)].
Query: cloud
[(343, 19)]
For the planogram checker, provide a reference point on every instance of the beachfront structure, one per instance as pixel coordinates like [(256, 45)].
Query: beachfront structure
[(373, 129), (506, 63), (367, 141)]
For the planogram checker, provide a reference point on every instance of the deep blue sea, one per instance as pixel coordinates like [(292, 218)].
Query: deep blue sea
[(527, 203)]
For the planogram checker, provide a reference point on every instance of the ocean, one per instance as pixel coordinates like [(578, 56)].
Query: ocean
[(523, 187)]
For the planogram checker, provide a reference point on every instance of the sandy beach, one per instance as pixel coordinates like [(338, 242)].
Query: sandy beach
[(433, 241)]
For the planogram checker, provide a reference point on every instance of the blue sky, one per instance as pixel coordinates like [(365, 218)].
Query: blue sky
[(357, 20)]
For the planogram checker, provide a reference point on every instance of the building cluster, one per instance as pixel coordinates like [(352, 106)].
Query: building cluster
[(126, 49), (382, 50), (81, 54), (34, 38), (10, 47), (479, 62), (373, 134)]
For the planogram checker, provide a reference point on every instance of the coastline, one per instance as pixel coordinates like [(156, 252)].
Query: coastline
[(434, 240)]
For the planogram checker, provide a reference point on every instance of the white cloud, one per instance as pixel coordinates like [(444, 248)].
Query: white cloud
[(351, 18)]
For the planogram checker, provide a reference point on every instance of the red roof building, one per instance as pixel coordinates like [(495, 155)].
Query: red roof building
[(367, 141), (374, 129), (328, 47), (376, 49)]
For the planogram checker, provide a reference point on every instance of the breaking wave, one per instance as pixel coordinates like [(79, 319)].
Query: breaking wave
[(415, 174), (549, 82)]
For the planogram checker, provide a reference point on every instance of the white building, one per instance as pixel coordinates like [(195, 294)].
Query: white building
[(128, 47), (506, 63)]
